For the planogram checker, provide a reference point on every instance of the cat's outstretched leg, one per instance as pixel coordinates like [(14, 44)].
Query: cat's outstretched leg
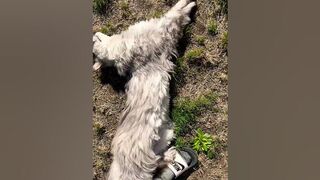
[(181, 11)]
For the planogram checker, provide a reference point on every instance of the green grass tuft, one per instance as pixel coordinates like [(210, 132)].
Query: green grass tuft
[(108, 29), (181, 64), (224, 40), (99, 6), (185, 111), (200, 40), (124, 5), (195, 53), (212, 27)]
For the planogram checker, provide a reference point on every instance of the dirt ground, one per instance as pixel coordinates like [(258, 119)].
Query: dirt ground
[(207, 72)]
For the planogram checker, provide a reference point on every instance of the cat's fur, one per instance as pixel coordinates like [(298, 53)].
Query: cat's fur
[(145, 130)]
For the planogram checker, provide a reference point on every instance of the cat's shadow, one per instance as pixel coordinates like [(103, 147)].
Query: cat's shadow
[(110, 76), (182, 46)]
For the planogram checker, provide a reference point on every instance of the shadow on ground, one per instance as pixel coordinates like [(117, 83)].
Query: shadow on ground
[(109, 75)]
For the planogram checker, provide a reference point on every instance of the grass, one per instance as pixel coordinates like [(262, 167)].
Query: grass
[(200, 40), (185, 111), (108, 29), (194, 54), (212, 27), (224, 40), (180, 142), (155, 14), (182, 62), (99, 6), (124, 5)]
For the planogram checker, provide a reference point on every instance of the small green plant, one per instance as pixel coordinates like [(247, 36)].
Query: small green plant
[(108, 29), (212, 27), (195, 53), (224, 40), (99, 6), (200, 40), (203, 142)]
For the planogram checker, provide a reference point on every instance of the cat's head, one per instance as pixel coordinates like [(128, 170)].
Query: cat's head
[(100, 51)]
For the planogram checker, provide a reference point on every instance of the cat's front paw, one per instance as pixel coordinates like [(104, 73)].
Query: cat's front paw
[(99, 48)]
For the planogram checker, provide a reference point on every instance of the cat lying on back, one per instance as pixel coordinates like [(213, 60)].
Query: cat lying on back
[(145, 131)]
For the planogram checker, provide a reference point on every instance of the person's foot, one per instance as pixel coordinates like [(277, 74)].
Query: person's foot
[(185, 159)]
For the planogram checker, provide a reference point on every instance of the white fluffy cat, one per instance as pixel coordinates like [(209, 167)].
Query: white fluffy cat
[(144, 50)]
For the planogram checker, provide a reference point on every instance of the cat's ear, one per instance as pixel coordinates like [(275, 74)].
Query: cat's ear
[(96, 65)]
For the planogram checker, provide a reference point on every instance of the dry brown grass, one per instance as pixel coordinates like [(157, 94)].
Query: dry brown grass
[(197, 76)]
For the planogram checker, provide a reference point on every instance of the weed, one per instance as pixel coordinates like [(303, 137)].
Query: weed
[(108, 29), (212, 27), (195, 53), (185, 111), (205, 143), (224, 40), (200, 40), (99, 6)]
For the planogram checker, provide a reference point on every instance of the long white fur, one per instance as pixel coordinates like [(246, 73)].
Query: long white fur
[(145, 130)]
